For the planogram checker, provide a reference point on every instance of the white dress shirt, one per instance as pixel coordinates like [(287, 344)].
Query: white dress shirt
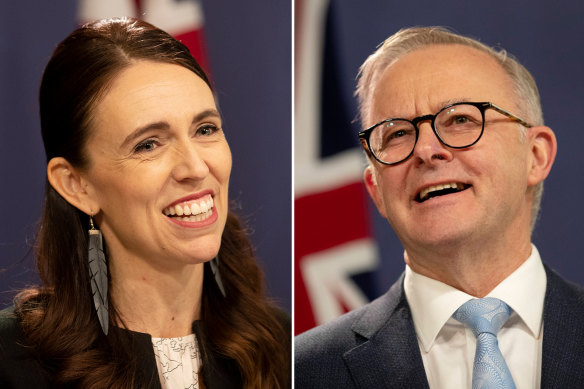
[(448, 347)]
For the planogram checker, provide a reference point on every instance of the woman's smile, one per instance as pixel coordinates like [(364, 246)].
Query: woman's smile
[(195, 211)]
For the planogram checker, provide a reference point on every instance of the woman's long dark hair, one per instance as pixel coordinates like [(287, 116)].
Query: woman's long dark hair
[(58, 319)]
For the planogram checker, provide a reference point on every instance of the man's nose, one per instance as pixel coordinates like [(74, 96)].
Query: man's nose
[(429, 149)]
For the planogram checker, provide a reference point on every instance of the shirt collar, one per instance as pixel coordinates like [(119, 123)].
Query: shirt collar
[(432, 302)]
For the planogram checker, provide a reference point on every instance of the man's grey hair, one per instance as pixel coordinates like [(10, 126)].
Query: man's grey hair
[(411, 39)]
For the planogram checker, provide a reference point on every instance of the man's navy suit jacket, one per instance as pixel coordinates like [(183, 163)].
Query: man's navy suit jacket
[(376, 346)]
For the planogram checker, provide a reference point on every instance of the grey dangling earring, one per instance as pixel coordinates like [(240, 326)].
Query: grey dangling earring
[(98, 275), (214, 265)]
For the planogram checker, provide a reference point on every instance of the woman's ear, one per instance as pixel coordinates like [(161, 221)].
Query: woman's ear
[(70, 184)]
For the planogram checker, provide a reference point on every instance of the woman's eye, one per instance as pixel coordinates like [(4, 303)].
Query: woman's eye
[(208, 129), (146, 145)]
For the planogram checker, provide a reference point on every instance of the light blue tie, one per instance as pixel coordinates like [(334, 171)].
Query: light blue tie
[(485, 317)]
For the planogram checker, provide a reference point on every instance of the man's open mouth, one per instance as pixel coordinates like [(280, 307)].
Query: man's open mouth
[(440, 190)]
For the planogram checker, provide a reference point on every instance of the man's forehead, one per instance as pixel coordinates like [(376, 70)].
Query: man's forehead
[(431, 77)]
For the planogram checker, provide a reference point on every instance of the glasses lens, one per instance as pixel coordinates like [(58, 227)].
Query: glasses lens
[(459, 125), (393, 141)]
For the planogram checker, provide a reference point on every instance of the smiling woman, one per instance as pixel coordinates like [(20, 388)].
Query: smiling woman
[(136, 214), (156, 144)]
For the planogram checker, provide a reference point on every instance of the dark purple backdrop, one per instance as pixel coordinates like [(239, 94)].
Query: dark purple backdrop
[(249, 49), (249, 46)]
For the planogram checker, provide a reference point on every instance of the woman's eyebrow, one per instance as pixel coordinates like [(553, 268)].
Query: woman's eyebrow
[(162, 125), (205, 114), (137, 133)]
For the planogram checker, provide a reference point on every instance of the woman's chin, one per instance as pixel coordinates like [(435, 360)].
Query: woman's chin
[(201, 254)]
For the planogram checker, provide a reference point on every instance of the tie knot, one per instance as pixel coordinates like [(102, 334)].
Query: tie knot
[(483, 315)]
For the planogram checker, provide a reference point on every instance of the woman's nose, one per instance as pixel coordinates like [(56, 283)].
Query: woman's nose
[(189, 163)]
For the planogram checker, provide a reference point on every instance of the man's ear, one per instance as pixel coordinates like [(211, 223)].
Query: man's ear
[(71, 185), (543, 153), (373, 189)]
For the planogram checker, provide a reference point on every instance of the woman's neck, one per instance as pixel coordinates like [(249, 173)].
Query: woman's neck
[(162, 303)]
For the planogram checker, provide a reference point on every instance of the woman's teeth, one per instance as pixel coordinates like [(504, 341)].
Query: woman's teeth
[(195, 218), (196, 208)]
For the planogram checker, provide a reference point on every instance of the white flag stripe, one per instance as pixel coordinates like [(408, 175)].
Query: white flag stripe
[(99, 9), (175, 17), (333, 172), (313, 174), (307, 97), (326, 276)]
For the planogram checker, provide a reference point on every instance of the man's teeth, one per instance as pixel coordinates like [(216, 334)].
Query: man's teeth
[(197, 207), (426, 192)]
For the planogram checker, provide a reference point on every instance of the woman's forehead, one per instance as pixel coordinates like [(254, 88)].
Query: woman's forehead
[(150, 91)]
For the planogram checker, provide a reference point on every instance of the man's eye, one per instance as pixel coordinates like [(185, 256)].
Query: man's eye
[(146, 145), (397, 134), (461, 120)]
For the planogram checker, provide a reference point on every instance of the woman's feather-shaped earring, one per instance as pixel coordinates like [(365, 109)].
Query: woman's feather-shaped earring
[(214, 265), (98, 275)]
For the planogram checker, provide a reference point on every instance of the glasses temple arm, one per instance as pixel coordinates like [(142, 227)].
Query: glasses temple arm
[(510, 115)]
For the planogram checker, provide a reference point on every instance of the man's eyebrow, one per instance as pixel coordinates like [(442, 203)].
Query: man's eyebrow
[(163, 125), (454, 101)]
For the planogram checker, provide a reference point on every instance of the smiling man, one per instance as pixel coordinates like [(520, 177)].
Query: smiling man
[(457, 154)]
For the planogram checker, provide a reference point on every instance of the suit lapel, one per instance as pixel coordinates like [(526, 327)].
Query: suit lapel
[(388, 355), (563, 340)]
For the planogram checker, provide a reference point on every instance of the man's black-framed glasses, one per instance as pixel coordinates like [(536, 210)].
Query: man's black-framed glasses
[(457, 126)]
